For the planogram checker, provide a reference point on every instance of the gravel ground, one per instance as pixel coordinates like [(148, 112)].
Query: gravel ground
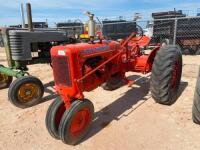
[(127, 118)]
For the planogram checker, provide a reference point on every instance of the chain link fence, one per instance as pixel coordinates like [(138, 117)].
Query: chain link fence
[(183, 31)]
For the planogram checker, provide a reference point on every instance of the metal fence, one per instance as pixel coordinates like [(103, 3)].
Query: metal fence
[(184, 31)]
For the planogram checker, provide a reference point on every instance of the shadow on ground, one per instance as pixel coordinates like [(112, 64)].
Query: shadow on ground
[(182, 87), (117, 109), (48, 88)]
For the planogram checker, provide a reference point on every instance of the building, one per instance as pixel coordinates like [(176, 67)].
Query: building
[(35, 25), (198, 12)]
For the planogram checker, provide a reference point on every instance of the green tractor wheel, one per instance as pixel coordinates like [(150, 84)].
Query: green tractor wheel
[(5, 81), (26, 91)]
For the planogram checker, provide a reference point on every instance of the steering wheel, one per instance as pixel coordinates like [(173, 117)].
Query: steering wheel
[(139, 33)]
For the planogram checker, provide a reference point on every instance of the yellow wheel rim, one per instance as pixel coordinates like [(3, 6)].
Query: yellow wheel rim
[(28, 92)]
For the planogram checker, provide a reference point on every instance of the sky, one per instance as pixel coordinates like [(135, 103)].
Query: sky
[(64, 10)]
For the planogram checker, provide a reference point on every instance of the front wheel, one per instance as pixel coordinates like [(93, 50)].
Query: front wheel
[(76, 121), (26, 91), (166, 75), (53, 117)]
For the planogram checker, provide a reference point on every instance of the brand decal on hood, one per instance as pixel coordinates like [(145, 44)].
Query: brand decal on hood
[(94, 50)]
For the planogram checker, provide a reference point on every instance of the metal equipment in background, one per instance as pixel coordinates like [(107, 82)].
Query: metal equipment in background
[(118, 29), (174, 27), (25, 47), (36, 25), (73, 29)]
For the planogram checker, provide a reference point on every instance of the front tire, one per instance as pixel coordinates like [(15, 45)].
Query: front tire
[(166, 75), (53, 117), (76, 121), (26, 91)]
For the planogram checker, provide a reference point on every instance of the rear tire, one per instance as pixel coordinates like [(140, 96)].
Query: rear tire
[(26, 91), (166, 75), (76, 121), (196, 102), (53, 117)]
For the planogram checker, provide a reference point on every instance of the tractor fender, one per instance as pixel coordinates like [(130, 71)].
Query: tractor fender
[(150, 59), (144, 62)]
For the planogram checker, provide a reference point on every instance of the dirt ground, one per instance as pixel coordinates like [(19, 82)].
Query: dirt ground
[(127, 118)]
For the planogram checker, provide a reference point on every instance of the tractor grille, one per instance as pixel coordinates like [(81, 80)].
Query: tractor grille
[(15, 42), (61, 70)]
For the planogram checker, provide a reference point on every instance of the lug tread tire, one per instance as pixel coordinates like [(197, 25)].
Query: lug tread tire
[(160, 82)]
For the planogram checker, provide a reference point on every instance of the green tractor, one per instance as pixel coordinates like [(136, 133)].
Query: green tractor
[(24, 47), (27, 46)]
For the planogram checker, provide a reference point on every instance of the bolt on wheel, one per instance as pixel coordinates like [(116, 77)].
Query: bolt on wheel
[(5, 81), (26, 91), (76, 121)]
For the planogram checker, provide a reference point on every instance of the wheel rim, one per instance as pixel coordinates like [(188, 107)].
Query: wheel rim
[(175, 74), (80, 122), (4, 78), (28, 92), (58, 116)]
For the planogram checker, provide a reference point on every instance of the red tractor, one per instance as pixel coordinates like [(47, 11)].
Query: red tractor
[(85, 66)]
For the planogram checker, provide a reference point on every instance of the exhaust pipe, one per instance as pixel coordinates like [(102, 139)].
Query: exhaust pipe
[(22, 15), (29, 17)]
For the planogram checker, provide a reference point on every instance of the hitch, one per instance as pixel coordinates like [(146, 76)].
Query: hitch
[(10, 72)]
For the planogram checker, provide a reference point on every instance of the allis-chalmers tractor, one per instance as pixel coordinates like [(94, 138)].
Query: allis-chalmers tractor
[(85, 66)]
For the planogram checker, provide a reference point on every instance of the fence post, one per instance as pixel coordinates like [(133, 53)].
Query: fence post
[(175, 31)]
